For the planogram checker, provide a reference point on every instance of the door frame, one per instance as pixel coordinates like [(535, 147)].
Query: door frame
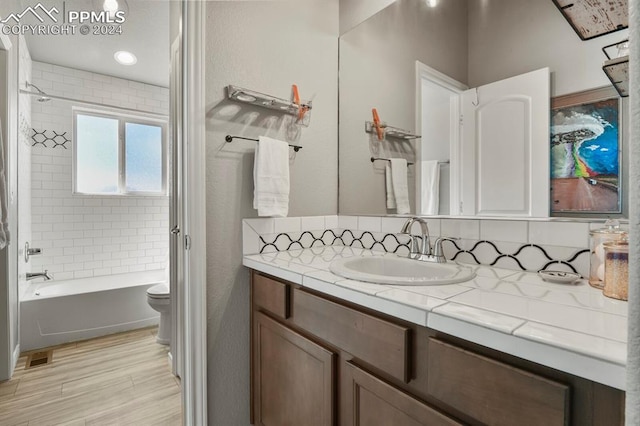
[(426, 74), (193, 315), (9, 322)]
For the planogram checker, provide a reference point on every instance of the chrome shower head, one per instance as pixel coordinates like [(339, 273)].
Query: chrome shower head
[(44, 97)]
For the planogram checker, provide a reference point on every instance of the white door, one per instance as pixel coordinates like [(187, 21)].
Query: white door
[(504, 168)]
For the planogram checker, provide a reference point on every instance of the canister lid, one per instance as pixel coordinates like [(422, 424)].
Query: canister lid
[(611, 226)]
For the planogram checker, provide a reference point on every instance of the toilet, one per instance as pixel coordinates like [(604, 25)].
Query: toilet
[(158, 298)]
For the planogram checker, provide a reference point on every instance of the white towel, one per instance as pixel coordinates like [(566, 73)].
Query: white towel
[(397, 185), (430, 187), (4, 203), (271, 178)]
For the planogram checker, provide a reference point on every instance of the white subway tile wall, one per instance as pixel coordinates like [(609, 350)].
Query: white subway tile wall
[(85, 236)]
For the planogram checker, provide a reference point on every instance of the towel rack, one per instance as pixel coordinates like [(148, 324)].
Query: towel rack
[(230, 139), (392, 132)]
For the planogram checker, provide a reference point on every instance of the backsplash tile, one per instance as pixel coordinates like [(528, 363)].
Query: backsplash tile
[(516, 253)]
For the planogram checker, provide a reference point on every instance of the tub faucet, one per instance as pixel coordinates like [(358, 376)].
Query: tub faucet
[(34, 275), (425, 250)]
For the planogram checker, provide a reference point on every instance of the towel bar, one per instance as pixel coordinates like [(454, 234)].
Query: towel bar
[(230, 138)]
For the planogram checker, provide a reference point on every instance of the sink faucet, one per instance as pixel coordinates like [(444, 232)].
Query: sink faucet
[(33, 275), (426, 245)]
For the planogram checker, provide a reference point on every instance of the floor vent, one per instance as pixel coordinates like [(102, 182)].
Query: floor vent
[(37, 359)]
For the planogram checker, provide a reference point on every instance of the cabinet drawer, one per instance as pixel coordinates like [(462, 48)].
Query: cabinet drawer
[(367, 400), (271, 295), (492, 392), (380, 343)]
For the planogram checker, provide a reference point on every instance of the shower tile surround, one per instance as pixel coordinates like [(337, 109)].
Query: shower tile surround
[(84, 236), (573, 328)]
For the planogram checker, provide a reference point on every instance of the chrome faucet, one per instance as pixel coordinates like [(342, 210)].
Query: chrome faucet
[(438, 252), (34, 275), (425, 249)]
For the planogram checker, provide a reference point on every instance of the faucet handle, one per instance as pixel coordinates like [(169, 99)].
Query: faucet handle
[(437, 246)]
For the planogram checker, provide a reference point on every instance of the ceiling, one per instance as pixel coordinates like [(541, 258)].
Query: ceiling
[(145, 33)]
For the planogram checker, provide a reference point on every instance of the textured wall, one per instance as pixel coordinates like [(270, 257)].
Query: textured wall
[(511, 37), (377, 69), (266, 47), (354, 12)]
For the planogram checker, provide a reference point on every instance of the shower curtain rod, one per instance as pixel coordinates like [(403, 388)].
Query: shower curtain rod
[(62, 98)]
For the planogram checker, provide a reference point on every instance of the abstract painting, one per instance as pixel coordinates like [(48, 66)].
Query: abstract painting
[(585, 157)]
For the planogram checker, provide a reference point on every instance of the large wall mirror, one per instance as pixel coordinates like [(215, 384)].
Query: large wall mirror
[(418, 61)]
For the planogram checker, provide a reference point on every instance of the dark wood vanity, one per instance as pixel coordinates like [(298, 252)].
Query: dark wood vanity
[(318, 360)]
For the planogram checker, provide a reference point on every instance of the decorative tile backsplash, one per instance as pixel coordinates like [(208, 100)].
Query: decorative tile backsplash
[(50, 139), (524, 248)]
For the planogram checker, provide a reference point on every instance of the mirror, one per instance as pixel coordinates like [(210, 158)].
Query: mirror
[(472, 43)]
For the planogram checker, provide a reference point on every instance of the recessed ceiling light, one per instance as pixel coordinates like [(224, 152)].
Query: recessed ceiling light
[(430, 3), (111, 6), (125, 58)]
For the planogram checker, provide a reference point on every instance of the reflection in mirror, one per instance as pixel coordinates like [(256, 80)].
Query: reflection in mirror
[(469, 44)]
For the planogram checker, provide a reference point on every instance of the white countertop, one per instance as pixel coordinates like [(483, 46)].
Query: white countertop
[(572, 328)]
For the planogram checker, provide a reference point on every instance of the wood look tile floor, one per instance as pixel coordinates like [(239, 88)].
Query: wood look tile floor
[(122, 379)]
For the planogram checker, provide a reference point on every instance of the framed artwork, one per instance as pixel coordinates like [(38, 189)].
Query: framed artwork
[(585, 153)]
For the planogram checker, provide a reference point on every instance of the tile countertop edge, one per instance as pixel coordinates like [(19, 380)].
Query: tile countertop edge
[(585, 366), (595, 369)]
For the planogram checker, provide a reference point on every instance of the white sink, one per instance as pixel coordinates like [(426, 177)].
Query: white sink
[(399, 271)]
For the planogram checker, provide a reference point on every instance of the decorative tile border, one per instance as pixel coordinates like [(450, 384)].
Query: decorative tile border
[(55, 140), (275, 235)]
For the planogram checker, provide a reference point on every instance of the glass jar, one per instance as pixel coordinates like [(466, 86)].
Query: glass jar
[(616, 269), (609, 233)]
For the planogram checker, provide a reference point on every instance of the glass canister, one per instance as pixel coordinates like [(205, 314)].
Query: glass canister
[(609, 233), (616, 269)]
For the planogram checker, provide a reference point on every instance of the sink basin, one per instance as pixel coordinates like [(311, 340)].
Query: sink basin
[(399, 271)]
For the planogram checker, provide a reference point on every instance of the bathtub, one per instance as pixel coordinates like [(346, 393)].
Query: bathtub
[(56, 312)]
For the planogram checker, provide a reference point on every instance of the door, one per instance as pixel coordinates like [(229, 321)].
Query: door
[(369, 401), (504, 168), (293, 377)]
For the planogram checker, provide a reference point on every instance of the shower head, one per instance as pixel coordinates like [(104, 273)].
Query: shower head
[(44, 97)]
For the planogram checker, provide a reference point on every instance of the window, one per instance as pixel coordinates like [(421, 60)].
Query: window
[(119, 155)]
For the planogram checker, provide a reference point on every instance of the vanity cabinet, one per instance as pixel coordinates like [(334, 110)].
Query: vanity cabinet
[(318, 360)]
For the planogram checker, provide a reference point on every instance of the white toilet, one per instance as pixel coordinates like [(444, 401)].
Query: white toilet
[(158, 298)]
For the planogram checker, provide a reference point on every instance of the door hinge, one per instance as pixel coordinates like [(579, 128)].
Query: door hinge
[(461, 208), (461, 119), (187, 242)]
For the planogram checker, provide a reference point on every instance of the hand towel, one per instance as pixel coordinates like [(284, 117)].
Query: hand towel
[(391, 197), (399, 184), (4, 202), (271, 178), (430, 187)]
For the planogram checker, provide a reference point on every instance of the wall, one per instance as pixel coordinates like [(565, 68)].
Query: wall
[(511, 37), (266, 47), (378, 70), (354, 12), (84, 236)]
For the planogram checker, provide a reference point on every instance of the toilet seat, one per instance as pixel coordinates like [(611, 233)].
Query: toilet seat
[(158, 291)]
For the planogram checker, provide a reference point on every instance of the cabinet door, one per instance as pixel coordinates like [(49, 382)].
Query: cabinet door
[(293, 377), (369, 401), (504, 167)]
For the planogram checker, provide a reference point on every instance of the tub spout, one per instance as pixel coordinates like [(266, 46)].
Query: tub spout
[(33, 275)]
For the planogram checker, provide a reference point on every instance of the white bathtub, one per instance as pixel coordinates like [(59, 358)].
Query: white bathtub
[(56, 312)]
